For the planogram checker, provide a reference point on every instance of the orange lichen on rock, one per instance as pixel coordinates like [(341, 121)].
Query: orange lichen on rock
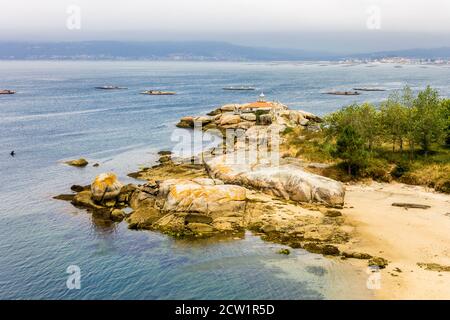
[(258, 104), (105, 186)]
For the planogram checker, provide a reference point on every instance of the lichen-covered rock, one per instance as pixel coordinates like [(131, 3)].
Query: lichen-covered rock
[(78, 162), (287, 181), (200, 228), (143, 217), (202, 196), (228, 223), (117, 215), (84, 199), (105, 186)]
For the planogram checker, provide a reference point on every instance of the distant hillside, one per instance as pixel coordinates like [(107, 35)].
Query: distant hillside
[(93, 50), (207, 51)]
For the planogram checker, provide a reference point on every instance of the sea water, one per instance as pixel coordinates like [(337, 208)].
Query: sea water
[(57, 115)]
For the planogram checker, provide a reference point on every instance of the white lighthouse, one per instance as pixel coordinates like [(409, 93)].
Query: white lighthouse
[(262, 97)]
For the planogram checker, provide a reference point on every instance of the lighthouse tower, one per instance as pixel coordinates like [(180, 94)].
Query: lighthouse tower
[(262, 97)]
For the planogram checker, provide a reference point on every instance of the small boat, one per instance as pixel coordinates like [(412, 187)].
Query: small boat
[(369, 89), (6, 91), (344, 93), (239, 88), (110, 88), (158, 93)]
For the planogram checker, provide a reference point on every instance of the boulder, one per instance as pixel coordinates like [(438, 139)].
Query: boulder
[(200, 196), (140, 199), (227, 119), (286, 181), (357, 255), (325, 249), (117, 215), (143, 218), (77, 188), (186, 122), (378, 262), (332, 213), (78, 162), (105, 187), (204, 119), (229, 107), (309, 116), (84, 199), (248, 116)]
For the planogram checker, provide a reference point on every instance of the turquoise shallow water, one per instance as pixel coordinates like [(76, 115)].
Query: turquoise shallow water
[(58, 115)]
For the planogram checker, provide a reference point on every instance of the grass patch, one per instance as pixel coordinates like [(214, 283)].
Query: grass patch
[(382, 164)]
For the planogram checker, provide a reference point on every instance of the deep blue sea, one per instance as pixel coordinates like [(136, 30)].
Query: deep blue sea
[(57, 115)]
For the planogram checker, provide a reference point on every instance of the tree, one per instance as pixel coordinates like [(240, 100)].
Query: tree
[(350, 148), (429, 125), (394, 120), (368, 124), (446, 117), (364, 119)]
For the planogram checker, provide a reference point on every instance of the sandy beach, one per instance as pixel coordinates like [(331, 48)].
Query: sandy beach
[(405, 237)]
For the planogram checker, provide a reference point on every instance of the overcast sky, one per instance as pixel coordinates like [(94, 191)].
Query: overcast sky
[(313, 24)]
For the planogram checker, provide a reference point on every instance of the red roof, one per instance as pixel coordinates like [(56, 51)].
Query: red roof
[(259, 104)]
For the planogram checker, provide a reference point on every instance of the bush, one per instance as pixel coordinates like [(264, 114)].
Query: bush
[(376, 169), (400, 169), (349, 147)]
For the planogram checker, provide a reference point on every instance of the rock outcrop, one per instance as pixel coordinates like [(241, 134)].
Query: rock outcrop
[(245, 116), (105, 187), (78, 162), (216, 196), (285, 180), (207, 196)]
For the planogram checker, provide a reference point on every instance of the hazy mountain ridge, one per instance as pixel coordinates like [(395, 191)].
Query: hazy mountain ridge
[(208, 51)]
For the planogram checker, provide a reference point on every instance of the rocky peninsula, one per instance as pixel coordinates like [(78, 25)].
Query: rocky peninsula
[(270, 193)]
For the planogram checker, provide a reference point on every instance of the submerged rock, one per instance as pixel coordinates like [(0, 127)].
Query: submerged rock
[(284, 251), (105, 187), (78, 162)]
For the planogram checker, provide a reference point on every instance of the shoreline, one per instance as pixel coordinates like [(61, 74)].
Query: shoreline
[(406, 237), (212, 198)]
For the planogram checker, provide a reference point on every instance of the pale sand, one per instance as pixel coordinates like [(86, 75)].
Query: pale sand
[(403, 236)]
